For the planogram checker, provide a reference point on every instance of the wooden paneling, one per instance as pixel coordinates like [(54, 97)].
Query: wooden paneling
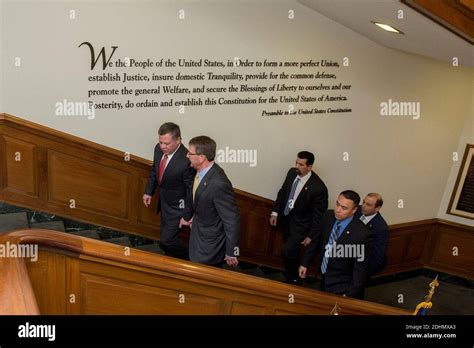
[(246, 309), (57, 167), (254, 221), (407, 245), (452, 250), (76, 275), (147, 216), (21, 166), (123, 294), (47, 276), (93, 187), (108, 190)]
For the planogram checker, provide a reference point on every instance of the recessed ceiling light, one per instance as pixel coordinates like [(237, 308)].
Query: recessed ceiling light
[(387, 28)]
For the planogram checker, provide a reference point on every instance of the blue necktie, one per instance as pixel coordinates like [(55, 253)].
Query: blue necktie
[(332, 238), (290, 197)]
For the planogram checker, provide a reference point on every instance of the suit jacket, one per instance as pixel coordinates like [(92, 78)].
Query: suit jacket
[(344, 275), (380, 230), (312, 202), (216, 221), (175, 188)]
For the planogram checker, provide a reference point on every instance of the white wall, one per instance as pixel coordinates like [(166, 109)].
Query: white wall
[(400, 157), (467, 137)]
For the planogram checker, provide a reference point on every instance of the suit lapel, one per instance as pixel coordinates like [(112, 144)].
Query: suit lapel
[(329, 230), (169, 168), (343, 236), (370, 224), (304, 190), (346, 233), (204, 183)]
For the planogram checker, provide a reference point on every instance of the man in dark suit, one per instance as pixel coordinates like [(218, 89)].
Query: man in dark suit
[(369, 214), (346, 245), (300, 204), (215, 225), (173, 175)]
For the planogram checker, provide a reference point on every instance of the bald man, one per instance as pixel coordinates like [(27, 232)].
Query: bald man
[(369, 214)]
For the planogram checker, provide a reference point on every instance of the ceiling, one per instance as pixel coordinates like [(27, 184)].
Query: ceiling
[(422, 35)]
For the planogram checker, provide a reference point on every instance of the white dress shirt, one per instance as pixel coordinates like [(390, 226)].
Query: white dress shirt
[(301, 184)]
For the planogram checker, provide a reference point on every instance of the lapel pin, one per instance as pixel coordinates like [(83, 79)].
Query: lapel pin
[(205, 183), (348, 232)]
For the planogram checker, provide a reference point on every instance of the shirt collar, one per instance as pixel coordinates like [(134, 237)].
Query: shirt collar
[(305, 178), (369, 217), (203, 172)]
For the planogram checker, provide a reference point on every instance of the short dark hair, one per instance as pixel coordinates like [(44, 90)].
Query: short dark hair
[(308, 156), (378, 197), (352, 195), (170, 128), (204, 146)]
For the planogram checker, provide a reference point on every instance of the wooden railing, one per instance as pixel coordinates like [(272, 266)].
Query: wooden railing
[(76, 275), (107, 190)]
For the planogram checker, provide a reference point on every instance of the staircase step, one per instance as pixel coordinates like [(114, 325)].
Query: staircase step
[(119, 241), (13, 221), (86, 233), (49, 225), (152, 248)]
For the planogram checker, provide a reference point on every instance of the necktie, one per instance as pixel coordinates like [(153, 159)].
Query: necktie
[(195, 185), (363, 219), (290, 202), (332, 239), (162, 167)]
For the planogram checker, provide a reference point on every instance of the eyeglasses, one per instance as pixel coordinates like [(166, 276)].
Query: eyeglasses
[(193, 154)]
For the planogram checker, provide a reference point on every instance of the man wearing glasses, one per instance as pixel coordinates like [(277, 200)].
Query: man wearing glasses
[(215, 225), (172, 174)]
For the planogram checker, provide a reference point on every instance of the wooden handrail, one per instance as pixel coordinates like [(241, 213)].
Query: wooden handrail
[(16, 295)]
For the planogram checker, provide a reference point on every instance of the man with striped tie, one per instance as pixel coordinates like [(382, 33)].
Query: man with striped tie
[(346, 245), (300, 203)]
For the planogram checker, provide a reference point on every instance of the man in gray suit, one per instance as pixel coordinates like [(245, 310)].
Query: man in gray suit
[(215, 225)]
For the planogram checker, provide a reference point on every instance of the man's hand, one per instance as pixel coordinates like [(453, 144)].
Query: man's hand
[(302, 271), (183, 222), (273, 220), (146, 200), (231, 261), (306, 241)]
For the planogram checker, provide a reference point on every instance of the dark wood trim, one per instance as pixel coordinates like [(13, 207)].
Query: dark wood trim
[(451, 15), (456, 225)]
